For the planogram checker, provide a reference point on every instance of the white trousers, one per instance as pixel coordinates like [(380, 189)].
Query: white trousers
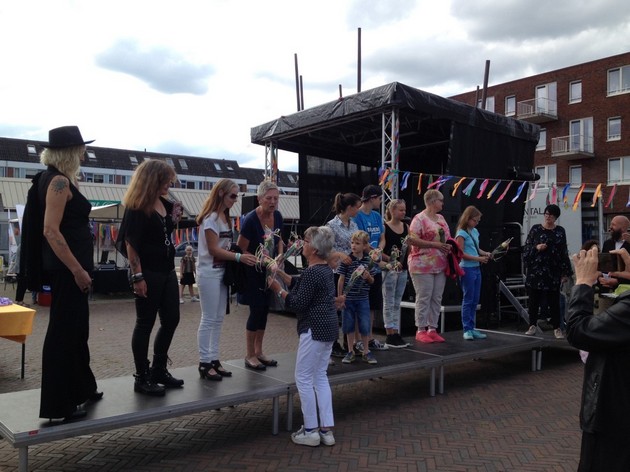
[(213, 298), (429, 289), (312, 382)]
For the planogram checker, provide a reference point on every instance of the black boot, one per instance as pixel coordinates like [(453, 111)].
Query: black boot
[(144, 384), (161, 375)]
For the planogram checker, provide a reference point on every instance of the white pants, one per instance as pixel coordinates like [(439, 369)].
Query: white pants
[(312, 382), (213, 298), (429, 289)]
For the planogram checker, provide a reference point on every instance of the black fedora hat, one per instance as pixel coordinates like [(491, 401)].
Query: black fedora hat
[(65, 136)]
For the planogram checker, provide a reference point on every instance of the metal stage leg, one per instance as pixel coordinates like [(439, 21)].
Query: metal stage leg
[(432, 382), (441, 388), (23, 359), (276, 413), (23, 459), (539, 360), (533, 360), (289, 411)]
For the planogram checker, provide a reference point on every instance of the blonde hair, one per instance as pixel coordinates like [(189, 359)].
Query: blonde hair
[(391, 206), (146, 183), (265, 186), (213, 201), (360, 236), (432, 195), (65, 160), (470, 212)]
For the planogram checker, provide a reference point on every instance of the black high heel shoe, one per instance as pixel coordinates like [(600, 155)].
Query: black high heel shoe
[(204, 371), (216, 365)]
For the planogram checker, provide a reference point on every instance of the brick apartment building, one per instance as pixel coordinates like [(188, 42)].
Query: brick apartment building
[(583, 114)]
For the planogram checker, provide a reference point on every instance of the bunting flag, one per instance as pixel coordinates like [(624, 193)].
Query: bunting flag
[(456, 186), (468, 190), (565, 198), (420, 184), (482, 189), (505, 191), (437, 182), (534, 190), (493, 189), (609, 202), (628, 204), (430, 180), (518, 192), (405, 178), (597, 194), (383, 177), (576, 202), (554, 194)]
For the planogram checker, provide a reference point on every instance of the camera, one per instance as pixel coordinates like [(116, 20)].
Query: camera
[(608, 263)]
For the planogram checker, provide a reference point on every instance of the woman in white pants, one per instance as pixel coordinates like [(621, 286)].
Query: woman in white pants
[(215, 238)]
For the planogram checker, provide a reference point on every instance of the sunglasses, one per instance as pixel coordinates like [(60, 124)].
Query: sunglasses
[(233, 196)]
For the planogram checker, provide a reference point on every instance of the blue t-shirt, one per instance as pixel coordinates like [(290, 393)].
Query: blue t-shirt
[(471, 245), (372, 224)]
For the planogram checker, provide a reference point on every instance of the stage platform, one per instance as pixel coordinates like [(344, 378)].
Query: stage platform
[(121, 407)]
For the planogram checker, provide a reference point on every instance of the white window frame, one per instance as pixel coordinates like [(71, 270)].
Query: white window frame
[(614, 136), (573, 98), (546, 173), (581, 135), (133, 159), (90, 154), (489, 104), (31, 149), (183, 164), (510, 105), (547, 98), (617, 85), (573, 181), (623, 164), (542, 140)]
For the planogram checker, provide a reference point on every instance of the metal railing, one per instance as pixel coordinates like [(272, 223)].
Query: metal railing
[(573, 144), (537, 106)]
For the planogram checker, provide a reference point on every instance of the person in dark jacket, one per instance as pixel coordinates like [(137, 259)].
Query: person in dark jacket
[(605, 410), (618, 239)]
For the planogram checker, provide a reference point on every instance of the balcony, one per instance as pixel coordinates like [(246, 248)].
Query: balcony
[(572, 147), (537, 110)]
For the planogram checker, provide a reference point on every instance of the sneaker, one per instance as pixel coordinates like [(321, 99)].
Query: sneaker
[(349, 358), (306, 438), (327, 438), (468, 335), (531, 331), (181, 301), (376, 345), (194, 299), (358, 347), (369, 358), (558, 333), (337, 351), (395, 341), (478, 334), (433, 334), (423, 337)]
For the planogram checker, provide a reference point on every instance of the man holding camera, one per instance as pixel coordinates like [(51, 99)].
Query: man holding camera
[(619, 237)]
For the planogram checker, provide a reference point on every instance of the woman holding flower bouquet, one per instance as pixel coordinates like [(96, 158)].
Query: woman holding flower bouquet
[(260, 233), (427, 264), (467, 238), (395, 271)]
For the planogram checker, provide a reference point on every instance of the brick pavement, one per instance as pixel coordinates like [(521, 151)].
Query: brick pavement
[(496, 415)]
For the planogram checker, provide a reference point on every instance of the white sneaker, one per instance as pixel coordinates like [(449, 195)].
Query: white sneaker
[(558, 333), (194, 299), (306, 438), (181, 300), (327, 438), (531, 331)]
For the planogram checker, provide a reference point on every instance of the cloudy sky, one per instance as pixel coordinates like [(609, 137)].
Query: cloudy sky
[(192, 77)]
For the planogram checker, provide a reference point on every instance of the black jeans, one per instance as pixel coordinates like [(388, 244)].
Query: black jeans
[(163, 298), (551, 297)]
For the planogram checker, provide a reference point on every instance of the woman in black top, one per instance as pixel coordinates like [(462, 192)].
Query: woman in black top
[(145, 240), (312, 298), (66, 262)]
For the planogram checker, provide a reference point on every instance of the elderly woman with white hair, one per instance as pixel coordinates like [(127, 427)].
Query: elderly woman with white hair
[(263, 225), (312, 298)]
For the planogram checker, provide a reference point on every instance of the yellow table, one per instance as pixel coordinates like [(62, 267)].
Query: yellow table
[(16, 322)]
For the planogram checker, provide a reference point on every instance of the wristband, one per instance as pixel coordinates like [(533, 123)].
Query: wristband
[(136, 278), (237, 257), (280, 293)]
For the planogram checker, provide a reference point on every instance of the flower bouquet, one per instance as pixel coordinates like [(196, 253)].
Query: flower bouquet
[(356, 275), (501, 250), (294, 249), (393, 264), (375, 257)]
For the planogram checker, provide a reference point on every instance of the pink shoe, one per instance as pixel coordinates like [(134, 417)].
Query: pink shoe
[(434, 336), (423, 337)]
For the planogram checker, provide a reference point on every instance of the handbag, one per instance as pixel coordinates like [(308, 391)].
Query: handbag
[(234, 276)]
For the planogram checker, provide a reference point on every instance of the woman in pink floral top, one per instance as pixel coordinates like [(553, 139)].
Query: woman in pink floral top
[(427, 261)]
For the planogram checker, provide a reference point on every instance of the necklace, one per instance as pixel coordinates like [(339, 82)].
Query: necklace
[(167, 240)]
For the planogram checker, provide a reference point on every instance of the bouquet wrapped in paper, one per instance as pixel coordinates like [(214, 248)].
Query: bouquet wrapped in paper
[(357, 274), (501, 250), (294, 249), (393, 264), (375, 257)]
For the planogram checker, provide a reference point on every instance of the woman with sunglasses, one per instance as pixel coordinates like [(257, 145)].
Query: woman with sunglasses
[(215, 238)]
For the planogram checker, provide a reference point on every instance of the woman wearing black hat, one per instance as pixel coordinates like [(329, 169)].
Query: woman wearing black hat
[(546, 263), (57, 208)]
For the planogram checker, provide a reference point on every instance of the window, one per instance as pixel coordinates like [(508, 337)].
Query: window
[(542, 140), (99, 179), (31, 149), (291, 178), (217, 166), (169, 161), (91, 154), (618, 170), (547, 175), (183, 164), (133, 159), (575, 92), (489, 104), (614, 129), (229, 167), (581, 135), (618, 80), (546, 99), (510, 105), (575, 176)]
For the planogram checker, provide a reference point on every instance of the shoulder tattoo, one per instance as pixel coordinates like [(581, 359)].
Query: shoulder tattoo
[(59, 184)]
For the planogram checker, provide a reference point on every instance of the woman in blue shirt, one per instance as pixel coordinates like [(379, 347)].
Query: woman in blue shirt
[(467, 238)]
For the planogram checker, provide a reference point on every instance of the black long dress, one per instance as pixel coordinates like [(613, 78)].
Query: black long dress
[(67, 379)]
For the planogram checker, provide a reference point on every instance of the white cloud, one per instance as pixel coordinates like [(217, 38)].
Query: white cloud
[(194, 77)]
